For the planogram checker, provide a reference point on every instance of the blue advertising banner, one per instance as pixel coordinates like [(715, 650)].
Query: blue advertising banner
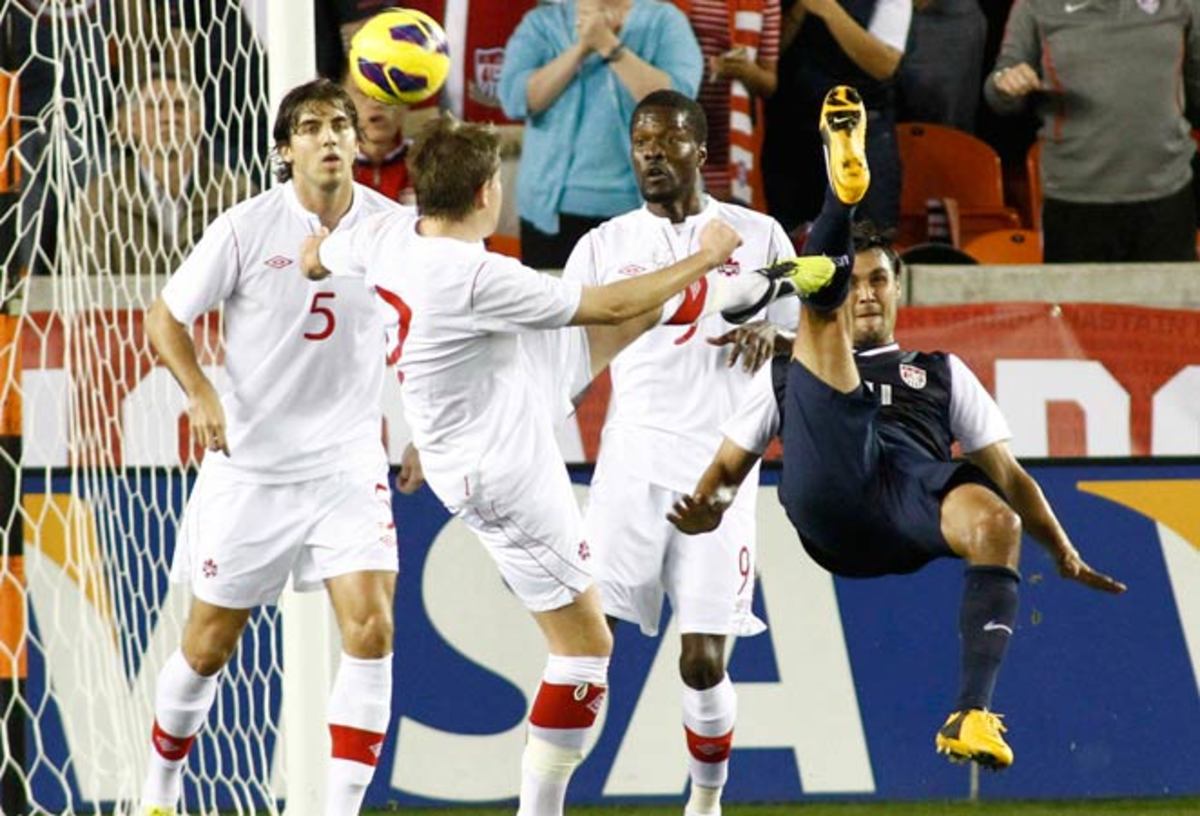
[(841, 697)]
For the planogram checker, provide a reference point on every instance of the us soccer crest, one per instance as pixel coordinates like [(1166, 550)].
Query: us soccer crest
[(485, 85), (913, 376), (1149, 6)]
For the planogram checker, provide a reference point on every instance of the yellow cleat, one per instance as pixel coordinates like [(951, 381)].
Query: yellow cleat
[(158, 810), (843, 129), (975, 735)]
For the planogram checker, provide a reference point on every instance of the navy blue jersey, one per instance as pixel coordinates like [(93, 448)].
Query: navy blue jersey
[(913, 389)]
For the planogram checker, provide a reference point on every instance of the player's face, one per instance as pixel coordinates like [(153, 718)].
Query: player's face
[(874, 298), (322, 147), (380, 123), (666, 155)]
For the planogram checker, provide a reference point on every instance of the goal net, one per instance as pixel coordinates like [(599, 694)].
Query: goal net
[(125, 127)]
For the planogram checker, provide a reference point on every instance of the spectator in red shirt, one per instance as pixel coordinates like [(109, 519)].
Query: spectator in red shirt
[(740, 43), (381, 163)]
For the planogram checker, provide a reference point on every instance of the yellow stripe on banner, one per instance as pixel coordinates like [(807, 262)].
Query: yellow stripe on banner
[(63, 528), (1172, 502), (13, 619)]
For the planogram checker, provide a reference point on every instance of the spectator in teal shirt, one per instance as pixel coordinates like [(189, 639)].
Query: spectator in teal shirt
[(574, 72)]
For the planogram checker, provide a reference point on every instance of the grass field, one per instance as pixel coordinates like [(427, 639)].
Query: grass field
[(1101, 807)]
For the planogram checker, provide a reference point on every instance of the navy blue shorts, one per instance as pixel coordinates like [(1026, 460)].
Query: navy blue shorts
[(865, 499)]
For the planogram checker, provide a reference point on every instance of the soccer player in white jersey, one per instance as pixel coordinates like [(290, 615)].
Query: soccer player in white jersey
[(482, 390), (294, 478), (672, 389)]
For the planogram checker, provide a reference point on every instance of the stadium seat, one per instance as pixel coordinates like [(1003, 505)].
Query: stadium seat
[(940, 162), (509, 245), (1033, 177), (1010, 246)]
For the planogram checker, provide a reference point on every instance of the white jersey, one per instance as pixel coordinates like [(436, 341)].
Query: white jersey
[(975, 419), (475, 409), (305, 359), (671, 388)]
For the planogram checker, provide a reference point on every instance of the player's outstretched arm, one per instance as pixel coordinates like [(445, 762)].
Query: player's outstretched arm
[(173, 342), (716, 490), (1026, 498), (620, 301)]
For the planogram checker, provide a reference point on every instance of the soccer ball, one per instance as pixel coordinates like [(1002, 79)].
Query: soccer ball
[(400, 56)]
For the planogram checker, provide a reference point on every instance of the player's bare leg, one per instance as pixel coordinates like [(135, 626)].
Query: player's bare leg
[(709, 711), (184, 693), (361, 698), (567, 702)]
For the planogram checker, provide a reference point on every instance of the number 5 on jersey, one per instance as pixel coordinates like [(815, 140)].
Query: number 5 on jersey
[(325, 313)]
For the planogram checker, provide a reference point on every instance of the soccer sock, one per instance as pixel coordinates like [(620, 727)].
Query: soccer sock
[(985, 623), (713, 293), (831, 235), (708, 717), (360, 705), (181, 703), (566, 705)]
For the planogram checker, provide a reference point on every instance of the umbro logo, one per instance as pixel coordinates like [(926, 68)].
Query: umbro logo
[(708, 748), (993, 626), (165, 744), (278, 262)]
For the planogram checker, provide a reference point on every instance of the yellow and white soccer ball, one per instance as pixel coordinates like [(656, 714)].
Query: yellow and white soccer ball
[(400, 56)]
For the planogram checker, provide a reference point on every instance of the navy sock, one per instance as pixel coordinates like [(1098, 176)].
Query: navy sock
[(831, 235), (985, 623)]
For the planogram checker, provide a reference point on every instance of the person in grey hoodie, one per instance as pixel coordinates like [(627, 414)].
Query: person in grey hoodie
[(1113, 81)]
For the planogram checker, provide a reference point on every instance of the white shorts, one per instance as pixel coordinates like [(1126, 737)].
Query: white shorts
[(534, 534), (639, 556), (239, 541)]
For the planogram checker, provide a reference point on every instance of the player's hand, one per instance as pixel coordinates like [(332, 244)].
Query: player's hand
[(410, 476), (1071, 565), (310, 255), (719, 240), (207, 418), (1017, 80), (753, 342), (699, 514)]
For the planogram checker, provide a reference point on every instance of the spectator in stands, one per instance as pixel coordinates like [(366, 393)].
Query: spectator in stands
[(942, 69), (382, 161), (144, 212), (828, 43), (574, 72), (1116, 151), (740, 54)]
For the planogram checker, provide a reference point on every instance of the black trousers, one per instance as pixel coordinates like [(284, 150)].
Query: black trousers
[(1162, 229), (542, 251)]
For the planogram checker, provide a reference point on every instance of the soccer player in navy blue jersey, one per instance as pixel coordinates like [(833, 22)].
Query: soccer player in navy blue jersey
[(868, 477)]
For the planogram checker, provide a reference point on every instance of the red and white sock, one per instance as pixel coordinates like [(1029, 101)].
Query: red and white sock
[(360, 705), (181, 702), (713, 293), (566, 706), (708, 718)]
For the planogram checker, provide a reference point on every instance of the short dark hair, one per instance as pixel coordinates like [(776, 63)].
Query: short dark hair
[(867, 236), (693, 114), (451, 160), (318, 91)]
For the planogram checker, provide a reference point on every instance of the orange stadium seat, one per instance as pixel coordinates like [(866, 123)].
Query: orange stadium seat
[(1033, 177), (1009, 246), (941, 162)]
